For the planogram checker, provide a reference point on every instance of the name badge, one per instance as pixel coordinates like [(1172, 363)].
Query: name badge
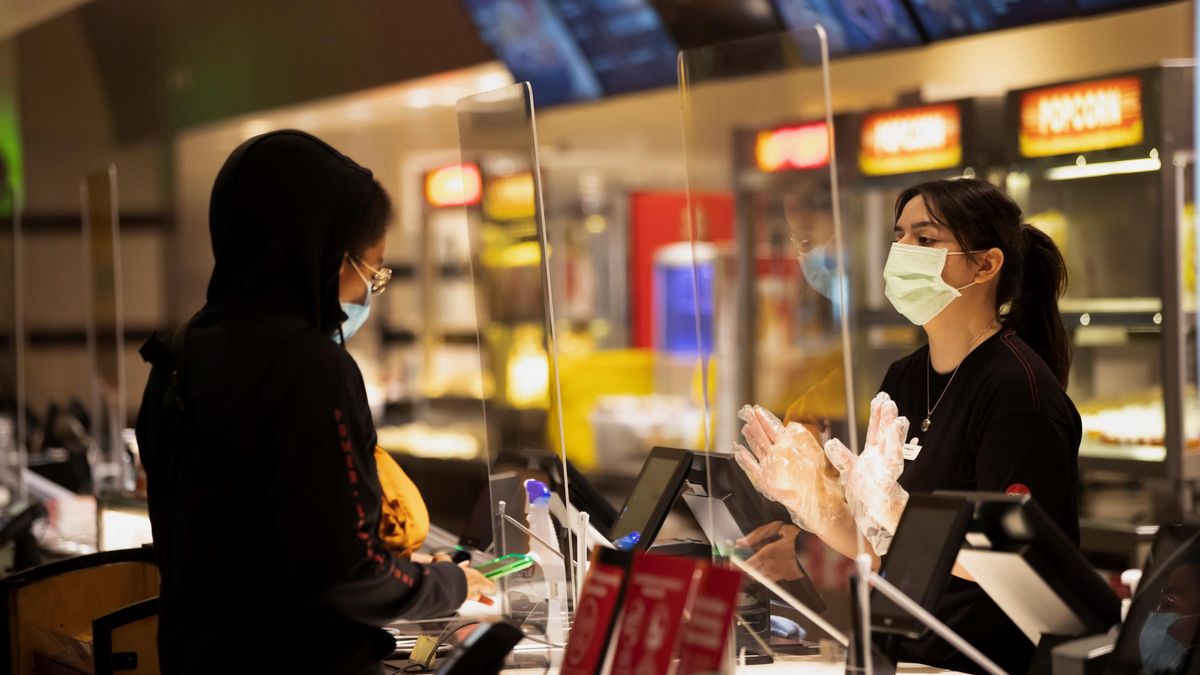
[(912, 449)]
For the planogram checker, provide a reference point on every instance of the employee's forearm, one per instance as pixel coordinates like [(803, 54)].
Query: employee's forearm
[(842, 536)]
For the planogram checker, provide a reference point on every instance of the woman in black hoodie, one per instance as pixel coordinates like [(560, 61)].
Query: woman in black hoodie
[(257, 443)]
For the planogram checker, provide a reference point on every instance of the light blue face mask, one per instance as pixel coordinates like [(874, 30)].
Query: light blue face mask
[(356, 314), (820, 270), (1160, 652)]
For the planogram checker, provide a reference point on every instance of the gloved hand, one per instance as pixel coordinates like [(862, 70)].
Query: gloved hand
[(869, 480), (785, 464)]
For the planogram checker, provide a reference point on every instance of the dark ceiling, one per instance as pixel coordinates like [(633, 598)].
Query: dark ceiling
[(169, 64)]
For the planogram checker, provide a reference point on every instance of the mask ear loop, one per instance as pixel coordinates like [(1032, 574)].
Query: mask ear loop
[(967, 253), (369, 282), (342, 335)]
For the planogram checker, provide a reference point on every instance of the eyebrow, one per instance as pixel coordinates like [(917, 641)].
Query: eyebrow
[(924, 224)]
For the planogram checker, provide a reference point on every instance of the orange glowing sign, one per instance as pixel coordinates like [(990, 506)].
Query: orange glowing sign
[(454, 185), (927, 138), (1084, 117), (511, 197), (792, 148)]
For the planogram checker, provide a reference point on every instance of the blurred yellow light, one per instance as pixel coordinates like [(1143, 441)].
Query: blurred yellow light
[(454, 185)]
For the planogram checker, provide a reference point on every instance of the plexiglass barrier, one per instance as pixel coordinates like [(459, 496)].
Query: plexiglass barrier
[(510, 274), (110, 460), (1183, 168), (771, 326), (12, 448)]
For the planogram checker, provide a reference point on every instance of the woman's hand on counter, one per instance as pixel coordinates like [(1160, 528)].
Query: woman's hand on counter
[(479, 587)]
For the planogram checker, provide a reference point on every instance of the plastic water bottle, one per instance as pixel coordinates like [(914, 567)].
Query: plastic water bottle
[(554, 570)]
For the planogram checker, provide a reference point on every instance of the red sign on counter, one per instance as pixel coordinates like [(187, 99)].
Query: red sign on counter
[(706, 633), (597, 611), (1084, 117), (660, 589)]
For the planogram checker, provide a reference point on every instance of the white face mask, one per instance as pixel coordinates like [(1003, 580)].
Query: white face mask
[(913, 281)]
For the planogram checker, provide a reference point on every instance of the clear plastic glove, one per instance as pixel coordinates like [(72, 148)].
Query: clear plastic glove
[(786, 464), (869, 480)]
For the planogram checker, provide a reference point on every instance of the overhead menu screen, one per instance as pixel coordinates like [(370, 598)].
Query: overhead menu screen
[(535, 45), (1105, 5), (853, 27), (624, 40), (942, 19), (1009, 13), (700, 23)]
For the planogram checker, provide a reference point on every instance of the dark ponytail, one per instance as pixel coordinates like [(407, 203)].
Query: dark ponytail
[(1034, 275), (1033, 311)]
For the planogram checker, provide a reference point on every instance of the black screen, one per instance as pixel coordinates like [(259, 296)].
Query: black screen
[(658, 482), (912, 563)]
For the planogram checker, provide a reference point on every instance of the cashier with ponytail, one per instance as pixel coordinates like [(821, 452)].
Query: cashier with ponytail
[(987, 396), (982, 407)]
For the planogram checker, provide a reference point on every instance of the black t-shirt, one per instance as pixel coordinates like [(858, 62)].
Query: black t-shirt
[(1005, 424)]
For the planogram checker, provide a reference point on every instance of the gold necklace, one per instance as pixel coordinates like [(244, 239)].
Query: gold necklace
[(928, 422)]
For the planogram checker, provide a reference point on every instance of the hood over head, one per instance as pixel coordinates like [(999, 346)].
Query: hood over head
[(278, 219)]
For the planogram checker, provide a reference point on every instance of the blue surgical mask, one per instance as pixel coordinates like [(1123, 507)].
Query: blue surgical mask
[(1160, 652), (356, 314), (820, 270)]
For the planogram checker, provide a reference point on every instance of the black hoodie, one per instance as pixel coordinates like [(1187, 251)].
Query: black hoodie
[(257, 441)]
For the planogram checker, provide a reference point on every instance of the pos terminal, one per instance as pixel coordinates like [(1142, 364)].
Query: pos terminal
[(1013, 550)]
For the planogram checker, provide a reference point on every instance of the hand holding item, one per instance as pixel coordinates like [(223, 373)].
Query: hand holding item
[(774, 546), (785, 464), (869, 480), (479, 587)]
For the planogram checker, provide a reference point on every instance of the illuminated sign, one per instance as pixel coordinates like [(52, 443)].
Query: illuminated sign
[(1085, 117), (792, 148), (911, 140), (454, 185), (510, 197)]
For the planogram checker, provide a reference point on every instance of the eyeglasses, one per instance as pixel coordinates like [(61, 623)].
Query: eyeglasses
[(379, 277)]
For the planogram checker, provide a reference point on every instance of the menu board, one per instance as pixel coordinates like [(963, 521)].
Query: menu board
[(1080, 117), (702, 23), (624, 40), (535, 45), (911, 140), (853, 26), (942, 19), (1105, 5), (1009, 13), (792, 148)]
